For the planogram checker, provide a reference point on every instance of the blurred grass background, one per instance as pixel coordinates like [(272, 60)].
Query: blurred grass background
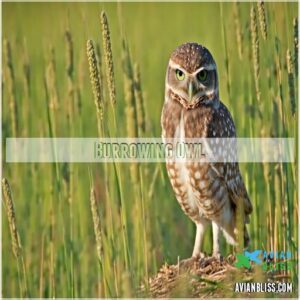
[(141, 223)]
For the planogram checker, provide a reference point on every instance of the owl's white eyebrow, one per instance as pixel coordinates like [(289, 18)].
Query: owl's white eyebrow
[(209, 67), (173, 65)]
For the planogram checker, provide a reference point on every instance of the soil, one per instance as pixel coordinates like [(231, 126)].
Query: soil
[(204, 277)]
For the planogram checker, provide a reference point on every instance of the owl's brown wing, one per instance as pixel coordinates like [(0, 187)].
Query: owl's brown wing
[(231, 178), (222, 126), (236, 187)]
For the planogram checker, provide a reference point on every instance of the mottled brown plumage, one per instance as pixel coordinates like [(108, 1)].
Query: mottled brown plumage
[(206, 191), (187, 56)]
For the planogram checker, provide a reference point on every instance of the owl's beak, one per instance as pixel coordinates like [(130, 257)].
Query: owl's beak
[(191, 91)]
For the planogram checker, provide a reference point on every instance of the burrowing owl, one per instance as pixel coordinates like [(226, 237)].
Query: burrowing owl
[(207, 192)]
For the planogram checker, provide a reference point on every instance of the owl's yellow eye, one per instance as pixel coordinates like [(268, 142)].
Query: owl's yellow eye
[(179, 74), (202, 75)]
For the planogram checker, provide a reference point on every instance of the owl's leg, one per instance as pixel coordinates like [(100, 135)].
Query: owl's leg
[(200, 229), (200, 225), (216, 239)]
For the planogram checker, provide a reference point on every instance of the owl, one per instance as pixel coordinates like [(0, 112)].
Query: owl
[(208, 192)]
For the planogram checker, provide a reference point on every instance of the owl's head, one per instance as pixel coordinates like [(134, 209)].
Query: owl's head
[(192, 77)]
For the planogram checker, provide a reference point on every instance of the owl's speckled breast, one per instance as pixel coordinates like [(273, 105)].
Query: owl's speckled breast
[(181, 124), (198, 187)]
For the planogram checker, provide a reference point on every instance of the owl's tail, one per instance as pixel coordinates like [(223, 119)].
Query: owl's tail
[(230, 228), (232, 239), (246, 237)]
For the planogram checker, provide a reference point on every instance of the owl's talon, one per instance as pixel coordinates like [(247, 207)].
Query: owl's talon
[(199, 256), (218, 256), (188, 263)]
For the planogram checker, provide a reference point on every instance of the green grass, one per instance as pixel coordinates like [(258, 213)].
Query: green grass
[(141, 223)]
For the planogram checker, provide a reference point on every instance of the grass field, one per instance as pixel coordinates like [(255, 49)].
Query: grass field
[(139, 225)]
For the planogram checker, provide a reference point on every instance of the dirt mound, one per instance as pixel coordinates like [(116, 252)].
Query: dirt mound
[(202, 278), (190, 278)]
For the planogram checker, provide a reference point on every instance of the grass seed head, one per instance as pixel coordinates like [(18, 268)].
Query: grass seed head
[(129, 92), (10, 211), (51, 81), (97, 224), (10, 82), (140, 108), (255, 49), (131, 113), (69, 53), (262, 19), (289, 62), (26, 70), (296, 44), (238, 30), (7, 52), (94, 77), (108, 58)]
